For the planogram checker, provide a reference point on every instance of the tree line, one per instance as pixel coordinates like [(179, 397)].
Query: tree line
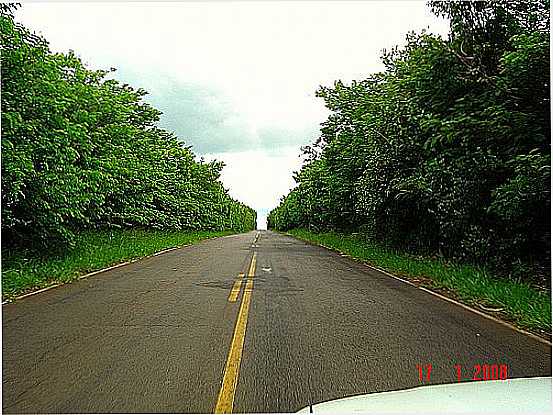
[(446, 151), (83, 151)]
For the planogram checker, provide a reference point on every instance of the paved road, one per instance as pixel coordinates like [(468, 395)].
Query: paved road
[(308, 325)]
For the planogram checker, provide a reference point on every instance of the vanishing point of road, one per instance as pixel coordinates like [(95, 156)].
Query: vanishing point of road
[(256, 322)]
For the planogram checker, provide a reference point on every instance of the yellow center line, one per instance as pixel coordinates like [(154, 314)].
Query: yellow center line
[(251, 271), (233, 296), (225, 400)]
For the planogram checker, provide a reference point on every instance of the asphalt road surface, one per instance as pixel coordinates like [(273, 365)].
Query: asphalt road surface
[(257, 322)]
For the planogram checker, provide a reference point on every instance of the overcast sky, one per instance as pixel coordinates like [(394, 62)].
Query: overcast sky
[(236, 80)]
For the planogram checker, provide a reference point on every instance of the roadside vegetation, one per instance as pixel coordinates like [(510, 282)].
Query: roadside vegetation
[(27, 270), (518, 302), (445, 153), (81, 156)]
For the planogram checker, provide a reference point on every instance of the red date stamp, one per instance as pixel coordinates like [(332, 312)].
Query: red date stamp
[(484, 371)]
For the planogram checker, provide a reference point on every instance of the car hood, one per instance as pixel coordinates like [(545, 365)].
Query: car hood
[(512, 396)]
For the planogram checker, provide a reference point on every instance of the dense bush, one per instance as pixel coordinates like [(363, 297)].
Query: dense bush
[(80, 151), (448, 149)]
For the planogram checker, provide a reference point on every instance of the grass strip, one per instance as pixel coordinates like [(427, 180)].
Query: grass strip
[(25, 270), (520, 303)]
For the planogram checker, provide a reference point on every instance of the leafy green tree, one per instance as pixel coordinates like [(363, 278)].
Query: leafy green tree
[(447, 150), (83, 151)]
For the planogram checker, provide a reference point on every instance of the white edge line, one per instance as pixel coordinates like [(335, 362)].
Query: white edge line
[(504, 323), (391, 275), (466, 307), (90, 274), (35, 292)]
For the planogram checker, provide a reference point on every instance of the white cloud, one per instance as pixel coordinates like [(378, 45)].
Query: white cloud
[(235, 76), (263, 178)]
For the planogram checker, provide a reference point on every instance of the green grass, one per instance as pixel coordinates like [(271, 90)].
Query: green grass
[(521, 303), (24, 271)]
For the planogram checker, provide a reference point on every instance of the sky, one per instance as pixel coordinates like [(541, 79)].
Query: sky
[(236, 80)]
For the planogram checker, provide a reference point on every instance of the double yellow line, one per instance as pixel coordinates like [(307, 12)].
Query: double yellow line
[(233, 296), (225, 401)]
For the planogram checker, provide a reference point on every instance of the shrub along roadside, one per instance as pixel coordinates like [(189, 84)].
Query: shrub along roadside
[(25, 271), (447, 150), (520, 303), (81, 150)]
